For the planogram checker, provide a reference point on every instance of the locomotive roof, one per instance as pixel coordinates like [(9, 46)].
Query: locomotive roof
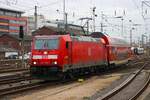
[(85, 38), (46, 36), (112, 41), (78, 38)]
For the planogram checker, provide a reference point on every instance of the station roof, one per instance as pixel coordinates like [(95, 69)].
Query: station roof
[(51, 30), (11, 10), (26, 37)]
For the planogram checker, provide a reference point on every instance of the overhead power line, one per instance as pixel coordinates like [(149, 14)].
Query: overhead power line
[(43, 6), (135, 4)]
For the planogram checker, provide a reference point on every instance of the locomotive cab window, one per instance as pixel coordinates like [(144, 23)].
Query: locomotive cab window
[(46, 44)]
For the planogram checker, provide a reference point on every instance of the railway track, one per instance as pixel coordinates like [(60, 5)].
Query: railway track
[(21, 86), (33, 83), (13, 70), (15, 79), (56, 87), (59, 88), (124, 92), (11, 66), (29, 84), (11, 77), (18, 81)]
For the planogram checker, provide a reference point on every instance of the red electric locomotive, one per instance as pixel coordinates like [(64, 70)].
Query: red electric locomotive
[(61, 55)]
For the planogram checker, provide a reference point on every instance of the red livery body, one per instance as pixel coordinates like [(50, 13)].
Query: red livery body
[(119, 51), (54, 55)]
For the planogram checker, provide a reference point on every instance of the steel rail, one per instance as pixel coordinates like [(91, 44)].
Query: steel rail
[(14, 80), (142, 89), (29, 86), (19, 88), (121, 86), (13, 70)]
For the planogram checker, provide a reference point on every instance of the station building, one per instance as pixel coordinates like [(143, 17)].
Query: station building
[(10, 20), (12, 43)]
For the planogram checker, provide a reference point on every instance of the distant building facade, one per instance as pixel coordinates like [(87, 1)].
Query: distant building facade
[(10, 20), (14, 42), (31, 23), (59, 29)]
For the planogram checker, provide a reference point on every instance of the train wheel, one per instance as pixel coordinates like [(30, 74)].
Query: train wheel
[(66, 76), (112, 66)]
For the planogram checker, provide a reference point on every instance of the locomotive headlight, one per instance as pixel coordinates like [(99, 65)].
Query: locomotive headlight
[(34, 63), (45, 52), (55, 62)]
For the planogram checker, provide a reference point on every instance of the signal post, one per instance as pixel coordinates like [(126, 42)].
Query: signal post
[(21, 36)]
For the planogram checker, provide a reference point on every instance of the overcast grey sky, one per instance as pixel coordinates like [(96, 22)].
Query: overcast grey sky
[(79, 7), (82, 8)]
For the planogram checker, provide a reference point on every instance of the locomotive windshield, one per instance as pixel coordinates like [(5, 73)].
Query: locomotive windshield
[(46, 44)]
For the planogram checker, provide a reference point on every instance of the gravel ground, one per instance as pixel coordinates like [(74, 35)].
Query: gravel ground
[(132, 88), (85, 89), (109, 88), (88, 89), (100, 93), (118, 82), (147, 97), (78, 92), (146, 94)]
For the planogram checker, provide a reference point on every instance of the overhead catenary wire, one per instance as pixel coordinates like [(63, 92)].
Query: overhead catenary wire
[(13, 5), (140, 12), (23, 7), (114, 25), (43, 6)]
